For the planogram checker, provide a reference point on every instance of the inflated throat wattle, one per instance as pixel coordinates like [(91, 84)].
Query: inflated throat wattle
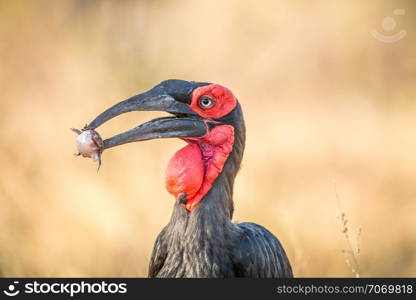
[(194, 168)]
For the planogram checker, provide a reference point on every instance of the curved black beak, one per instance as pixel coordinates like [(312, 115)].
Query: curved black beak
[(171, 96)]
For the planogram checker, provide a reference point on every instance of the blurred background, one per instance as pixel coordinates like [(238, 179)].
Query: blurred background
[(329, 109)]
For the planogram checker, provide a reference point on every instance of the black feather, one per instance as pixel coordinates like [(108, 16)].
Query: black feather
[(259, 254)]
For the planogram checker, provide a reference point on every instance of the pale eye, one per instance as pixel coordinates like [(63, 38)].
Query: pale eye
[(206, 102)]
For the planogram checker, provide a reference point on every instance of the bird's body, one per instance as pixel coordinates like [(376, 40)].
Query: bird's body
[(200, 239), (227, 251)]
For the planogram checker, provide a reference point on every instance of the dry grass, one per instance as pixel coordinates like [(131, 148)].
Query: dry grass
[(322, 99), (353, 251)]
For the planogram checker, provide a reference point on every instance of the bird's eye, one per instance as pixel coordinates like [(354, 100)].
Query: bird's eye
[(206, 102)]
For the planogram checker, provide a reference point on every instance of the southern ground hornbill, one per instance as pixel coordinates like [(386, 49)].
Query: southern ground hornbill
[(200, 239)]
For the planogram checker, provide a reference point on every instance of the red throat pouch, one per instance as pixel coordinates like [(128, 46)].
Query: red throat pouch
[(194, 168), (185, 171)]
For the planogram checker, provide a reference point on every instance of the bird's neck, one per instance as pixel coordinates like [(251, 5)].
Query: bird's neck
[(205, 169), (218, 203), (199, 240)]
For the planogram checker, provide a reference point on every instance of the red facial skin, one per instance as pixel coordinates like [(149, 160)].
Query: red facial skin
[(194, 168), (225, 101)]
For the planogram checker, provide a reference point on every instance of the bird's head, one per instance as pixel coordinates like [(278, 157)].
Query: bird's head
[(207, 116)]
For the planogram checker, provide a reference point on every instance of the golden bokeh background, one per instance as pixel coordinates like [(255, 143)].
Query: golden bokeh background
[(330, 114)]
